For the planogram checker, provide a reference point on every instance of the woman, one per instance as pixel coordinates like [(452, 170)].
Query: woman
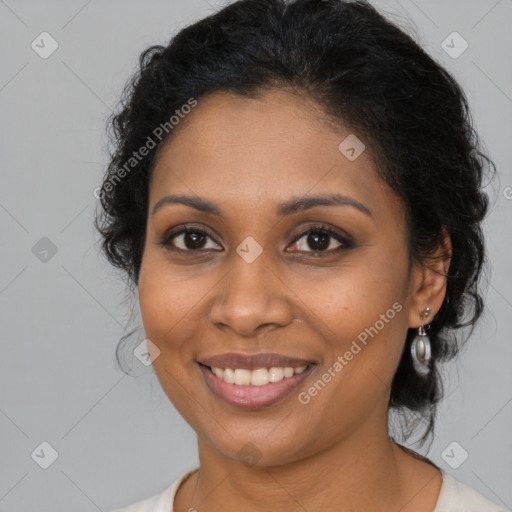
[(295, 194)]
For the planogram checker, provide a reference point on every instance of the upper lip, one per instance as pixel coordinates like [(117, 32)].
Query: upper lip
[(254, 361)]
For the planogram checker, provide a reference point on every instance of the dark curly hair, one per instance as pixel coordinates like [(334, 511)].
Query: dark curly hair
[(364, 72)]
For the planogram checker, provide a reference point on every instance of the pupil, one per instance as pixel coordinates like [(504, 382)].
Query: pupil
[(313, 239), (196, 240)]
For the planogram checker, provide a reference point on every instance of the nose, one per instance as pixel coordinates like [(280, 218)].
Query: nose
[(251, 299)]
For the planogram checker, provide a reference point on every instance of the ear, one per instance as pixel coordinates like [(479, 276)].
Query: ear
[(428, 283)]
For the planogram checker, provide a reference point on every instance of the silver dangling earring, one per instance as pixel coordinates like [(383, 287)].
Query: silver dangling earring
[(420, 349)]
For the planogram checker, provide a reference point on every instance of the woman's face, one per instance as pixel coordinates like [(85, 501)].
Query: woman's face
[(263, 280)]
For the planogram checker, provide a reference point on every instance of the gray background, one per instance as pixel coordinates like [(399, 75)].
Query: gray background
[(118, 438)]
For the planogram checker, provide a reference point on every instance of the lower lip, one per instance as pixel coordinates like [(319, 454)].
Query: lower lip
[(253, 397)]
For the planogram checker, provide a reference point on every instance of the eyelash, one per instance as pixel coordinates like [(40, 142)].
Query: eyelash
[(319, 229)]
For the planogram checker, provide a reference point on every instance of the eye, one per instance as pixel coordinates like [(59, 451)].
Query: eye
[(320, 239), (188, 239)]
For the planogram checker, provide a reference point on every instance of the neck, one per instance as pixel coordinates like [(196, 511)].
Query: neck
[(365, 471)]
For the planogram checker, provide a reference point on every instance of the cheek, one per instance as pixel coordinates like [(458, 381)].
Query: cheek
[(166, 303), (363, 321), (172, 310), (354, 298), (166, 298)]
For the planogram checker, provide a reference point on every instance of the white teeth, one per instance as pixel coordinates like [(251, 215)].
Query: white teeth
[(288, 372), (276, 374), (229, 376), (242, 377), (258, 377)]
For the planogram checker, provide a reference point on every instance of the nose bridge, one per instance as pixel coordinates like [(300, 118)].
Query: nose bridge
[(250, 293), (247, 284)]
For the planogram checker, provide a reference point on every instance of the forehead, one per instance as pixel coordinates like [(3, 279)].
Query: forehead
[(275, 146)]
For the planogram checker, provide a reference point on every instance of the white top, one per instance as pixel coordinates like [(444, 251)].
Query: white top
[(455, 496)]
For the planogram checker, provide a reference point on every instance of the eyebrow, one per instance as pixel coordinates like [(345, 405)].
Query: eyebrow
[(293, 205)]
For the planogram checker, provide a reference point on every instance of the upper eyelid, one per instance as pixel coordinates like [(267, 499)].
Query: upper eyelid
[(185, 229)]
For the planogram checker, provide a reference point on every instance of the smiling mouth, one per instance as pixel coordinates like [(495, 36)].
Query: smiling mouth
[(253, 389)]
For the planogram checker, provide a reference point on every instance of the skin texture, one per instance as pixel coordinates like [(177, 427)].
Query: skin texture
[(246, 156)]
